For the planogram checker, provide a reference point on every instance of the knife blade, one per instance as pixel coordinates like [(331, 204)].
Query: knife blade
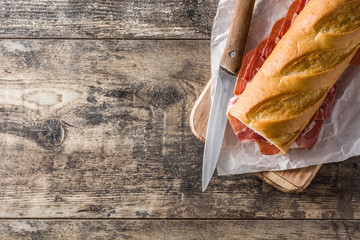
[(230, 64)]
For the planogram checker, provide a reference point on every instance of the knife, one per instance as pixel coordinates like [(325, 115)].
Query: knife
[(230, 65)]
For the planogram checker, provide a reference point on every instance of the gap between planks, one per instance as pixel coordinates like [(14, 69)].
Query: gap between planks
[(111, 39), (181, 219)]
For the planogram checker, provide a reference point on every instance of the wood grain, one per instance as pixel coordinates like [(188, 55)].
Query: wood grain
[(127, 19), (95, 139), (292, 180), (198, 113), (95, 129), (232, 56), (173, 229)]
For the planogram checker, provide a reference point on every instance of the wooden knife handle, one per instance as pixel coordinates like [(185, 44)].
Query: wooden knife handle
[(234, 50)]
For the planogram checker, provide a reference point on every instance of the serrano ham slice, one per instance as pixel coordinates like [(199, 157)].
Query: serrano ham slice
[(309, 135), (273, 38), (267, 148), (241, 82), (290, 17), (356, 59)]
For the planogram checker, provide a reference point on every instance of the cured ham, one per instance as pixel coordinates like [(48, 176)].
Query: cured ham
[(294, 10), (306, 138), (253, 62), (356, 59)]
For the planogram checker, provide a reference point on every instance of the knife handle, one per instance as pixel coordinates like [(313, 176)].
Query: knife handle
[(234, 50)]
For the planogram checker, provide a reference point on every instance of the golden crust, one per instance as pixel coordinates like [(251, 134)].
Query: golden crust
[(295, 79)]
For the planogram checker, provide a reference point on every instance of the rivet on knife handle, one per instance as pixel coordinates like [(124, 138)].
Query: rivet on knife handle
[(231, 59)]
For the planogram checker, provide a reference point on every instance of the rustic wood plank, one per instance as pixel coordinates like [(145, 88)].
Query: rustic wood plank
[(127, 19), (187, 229), (94, 129)]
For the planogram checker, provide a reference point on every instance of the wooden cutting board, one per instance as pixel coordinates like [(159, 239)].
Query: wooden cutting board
[(291, 181)]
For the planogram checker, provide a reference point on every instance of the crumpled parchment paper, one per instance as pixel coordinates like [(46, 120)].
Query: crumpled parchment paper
[(339, 138)]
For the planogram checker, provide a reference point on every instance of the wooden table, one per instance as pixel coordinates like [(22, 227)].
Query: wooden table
[(95, 139)]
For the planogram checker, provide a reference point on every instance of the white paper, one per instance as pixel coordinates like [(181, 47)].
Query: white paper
[(339, 138)]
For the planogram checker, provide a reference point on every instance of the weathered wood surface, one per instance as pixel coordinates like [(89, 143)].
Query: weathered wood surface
[(101, 129), (186, 229), (126, 19), (95, 139)]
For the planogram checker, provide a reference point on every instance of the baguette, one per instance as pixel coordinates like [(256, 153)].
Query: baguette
[(294, 80)]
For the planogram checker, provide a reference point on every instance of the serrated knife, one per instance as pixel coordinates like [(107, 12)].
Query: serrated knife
[(230, 64)]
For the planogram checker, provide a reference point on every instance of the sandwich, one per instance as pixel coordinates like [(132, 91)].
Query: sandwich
[(286, 86)]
